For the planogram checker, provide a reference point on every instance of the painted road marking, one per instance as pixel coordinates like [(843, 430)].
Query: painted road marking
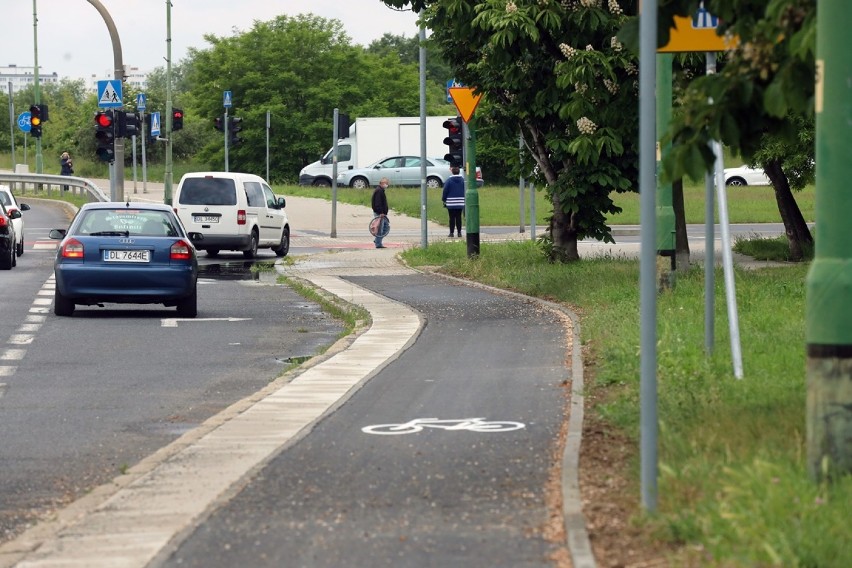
[(173, 322), (418, 424)]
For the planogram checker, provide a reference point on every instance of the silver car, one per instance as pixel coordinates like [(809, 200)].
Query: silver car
[(400, 171)]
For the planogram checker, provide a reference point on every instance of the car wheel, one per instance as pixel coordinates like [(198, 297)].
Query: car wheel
[(284, 247), (188, 307), (20, 249), (322, 183), (433, 183), (212, 252), (738, 181), (252, 250), (359, 183), (7, 263), (62, 306)]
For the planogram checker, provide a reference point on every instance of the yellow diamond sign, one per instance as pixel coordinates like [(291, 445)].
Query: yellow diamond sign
[(465, 101)]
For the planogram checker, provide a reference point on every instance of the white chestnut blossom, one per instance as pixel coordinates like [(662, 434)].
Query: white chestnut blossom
[(586, 126), (567, 50), (615, 44), (615, 8), (511, 8)]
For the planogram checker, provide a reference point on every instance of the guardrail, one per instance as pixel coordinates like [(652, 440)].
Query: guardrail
[(48, 184)]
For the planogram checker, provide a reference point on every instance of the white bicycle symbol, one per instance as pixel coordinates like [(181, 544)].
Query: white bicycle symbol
[(418, 424)]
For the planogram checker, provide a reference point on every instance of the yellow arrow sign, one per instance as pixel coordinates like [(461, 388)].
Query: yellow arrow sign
[(697, 34), (465, 101)]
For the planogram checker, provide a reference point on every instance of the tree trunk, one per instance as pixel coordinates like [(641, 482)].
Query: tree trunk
[(795, 227), (564, 235), (681, 240)]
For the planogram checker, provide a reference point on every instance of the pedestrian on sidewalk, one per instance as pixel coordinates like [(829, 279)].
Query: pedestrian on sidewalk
[(66, 167), (453, 198), (380, 209)]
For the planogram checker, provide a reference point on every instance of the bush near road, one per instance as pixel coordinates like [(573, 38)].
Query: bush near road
[(733, 486)]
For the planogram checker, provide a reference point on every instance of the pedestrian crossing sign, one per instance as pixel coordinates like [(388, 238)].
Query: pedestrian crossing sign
[(109, 94), (697, 33)]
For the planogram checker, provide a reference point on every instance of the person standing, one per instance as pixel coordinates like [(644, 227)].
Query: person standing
[(380, 209), (66, 167), (453, 198)]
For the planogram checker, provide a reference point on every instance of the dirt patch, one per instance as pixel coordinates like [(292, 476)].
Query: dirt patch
[(611, 498)]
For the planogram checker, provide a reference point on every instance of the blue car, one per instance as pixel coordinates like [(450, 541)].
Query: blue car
[(126, 253)]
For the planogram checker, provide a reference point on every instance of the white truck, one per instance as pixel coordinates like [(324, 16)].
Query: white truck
[(374, 138)]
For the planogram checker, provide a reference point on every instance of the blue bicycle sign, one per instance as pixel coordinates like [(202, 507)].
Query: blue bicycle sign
[(24, 121)]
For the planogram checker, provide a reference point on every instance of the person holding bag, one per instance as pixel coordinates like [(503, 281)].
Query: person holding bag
[(380, 209)]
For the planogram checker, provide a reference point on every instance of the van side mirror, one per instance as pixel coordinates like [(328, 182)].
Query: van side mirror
[(282, 203), (57, 234)]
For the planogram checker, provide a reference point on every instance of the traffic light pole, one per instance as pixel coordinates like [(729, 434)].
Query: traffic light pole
[(167, 174), (36, 87), (471, 197), (118, 171)]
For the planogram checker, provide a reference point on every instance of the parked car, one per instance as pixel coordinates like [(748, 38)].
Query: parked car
[(401, 171), (8, 199), (744, 175), (234, 211), (126, 253), (8, 239)]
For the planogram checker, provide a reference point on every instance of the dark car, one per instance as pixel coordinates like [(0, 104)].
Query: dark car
[(126, 253), (8, 239)]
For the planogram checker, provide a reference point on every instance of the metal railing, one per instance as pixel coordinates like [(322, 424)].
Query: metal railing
[(48, 184)]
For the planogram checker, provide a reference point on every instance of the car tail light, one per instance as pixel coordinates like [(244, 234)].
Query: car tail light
[(3, 220), (241, 217), (181, 250), (72, 248)]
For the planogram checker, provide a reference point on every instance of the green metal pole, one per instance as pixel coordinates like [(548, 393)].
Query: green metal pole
[(37, 87), (471, 195), (665, 210), (167, 174), (828, 321)]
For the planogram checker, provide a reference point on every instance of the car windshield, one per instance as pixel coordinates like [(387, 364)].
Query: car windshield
[(127, 222)]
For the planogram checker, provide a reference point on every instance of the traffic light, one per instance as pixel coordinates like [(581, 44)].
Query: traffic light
[(234, 129), (105, 135), (36, 120), (177, 119), (454, 141), (128, 124), (219, 124)]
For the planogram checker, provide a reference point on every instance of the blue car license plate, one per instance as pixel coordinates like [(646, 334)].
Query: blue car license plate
[(127, 256)]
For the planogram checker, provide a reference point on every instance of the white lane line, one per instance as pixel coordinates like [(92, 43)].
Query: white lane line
[(35, 319), (12, 354), (7, 371), (32, 327), (21, 339)]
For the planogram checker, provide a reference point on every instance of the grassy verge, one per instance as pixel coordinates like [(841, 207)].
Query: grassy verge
[(733, 486), (502, 205)]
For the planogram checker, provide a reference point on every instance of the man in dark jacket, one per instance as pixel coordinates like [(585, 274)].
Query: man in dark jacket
[(380, 209), (453, 198)]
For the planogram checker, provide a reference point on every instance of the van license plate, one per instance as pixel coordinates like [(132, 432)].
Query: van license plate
[(127, 256), (205, 219)]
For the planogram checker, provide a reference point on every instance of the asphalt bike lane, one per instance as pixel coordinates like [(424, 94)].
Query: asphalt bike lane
[(449, 456)]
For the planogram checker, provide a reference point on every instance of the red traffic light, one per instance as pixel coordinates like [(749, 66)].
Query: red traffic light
[(103, 120), (178, 114)]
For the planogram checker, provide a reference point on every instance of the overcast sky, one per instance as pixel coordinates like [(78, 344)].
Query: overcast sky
[(73, 39)]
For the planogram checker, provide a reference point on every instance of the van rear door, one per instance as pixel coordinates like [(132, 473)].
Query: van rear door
[(208, 205)]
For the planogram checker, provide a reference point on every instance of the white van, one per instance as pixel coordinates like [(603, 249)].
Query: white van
[(234, 211)]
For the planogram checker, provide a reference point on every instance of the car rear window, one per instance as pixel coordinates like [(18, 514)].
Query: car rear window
[(139, 222), (208, 191)]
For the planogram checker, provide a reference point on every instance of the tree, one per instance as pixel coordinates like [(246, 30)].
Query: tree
[(555, 72), (299, 69), (762, 99)]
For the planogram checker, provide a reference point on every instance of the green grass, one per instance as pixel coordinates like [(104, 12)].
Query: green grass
[(768, 248), (501, 205), (733, 487)]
